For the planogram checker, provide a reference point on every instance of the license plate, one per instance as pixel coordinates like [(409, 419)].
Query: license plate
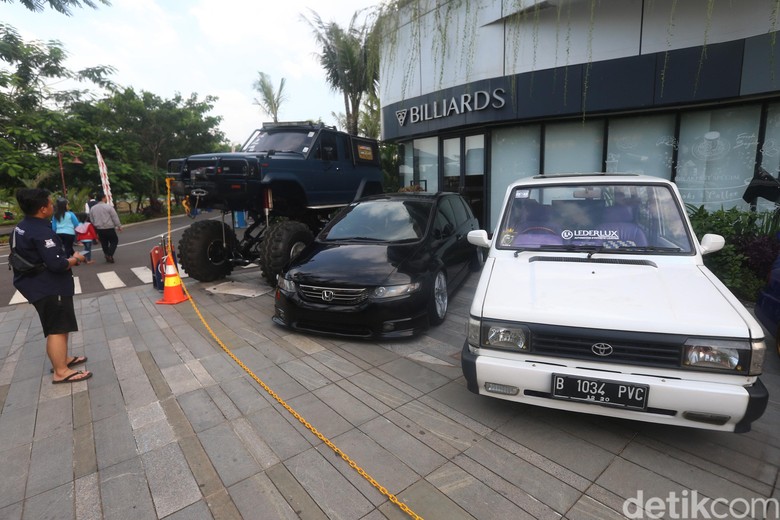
[(599, 391)]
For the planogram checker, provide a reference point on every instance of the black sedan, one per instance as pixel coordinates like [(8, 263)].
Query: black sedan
[(385, 266)]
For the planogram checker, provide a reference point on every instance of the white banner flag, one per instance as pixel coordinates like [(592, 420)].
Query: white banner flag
[(104, 176)]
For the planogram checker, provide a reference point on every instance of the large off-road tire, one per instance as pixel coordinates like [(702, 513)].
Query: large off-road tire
[(205, 250), (437, 305), (281, 243)]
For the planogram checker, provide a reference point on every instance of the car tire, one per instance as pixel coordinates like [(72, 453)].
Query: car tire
[(437, 307), (283, 241), (206, 249)]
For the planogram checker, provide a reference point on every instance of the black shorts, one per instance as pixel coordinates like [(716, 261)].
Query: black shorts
[(56, 314)]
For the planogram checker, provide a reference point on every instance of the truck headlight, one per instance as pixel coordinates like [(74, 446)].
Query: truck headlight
[(393, 291), (738, 356)]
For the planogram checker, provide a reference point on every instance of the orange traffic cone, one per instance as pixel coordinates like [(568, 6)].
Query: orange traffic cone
[(172, 292)]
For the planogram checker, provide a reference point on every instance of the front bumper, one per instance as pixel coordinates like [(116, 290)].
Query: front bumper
[(670, 400), (399, 317)]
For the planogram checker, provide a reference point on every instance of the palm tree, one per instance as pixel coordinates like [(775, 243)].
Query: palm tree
[(345, 58), (62, 6), (269, 101)]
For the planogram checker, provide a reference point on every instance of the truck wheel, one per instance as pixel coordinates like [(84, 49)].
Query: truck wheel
[(437, 307), (282, 242), (204, 254)]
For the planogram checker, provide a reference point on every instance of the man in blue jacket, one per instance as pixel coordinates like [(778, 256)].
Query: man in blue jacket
[(50, 289)]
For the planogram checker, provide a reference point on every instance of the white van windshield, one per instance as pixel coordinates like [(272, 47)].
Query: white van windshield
[(618, 217)]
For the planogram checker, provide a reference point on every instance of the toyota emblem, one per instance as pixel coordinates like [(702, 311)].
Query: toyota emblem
[(601, 349), (327, 295)]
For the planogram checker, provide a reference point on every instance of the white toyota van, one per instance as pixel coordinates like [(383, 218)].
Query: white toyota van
[(594, 298)]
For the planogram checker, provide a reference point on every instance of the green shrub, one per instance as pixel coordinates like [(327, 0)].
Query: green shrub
[(751, 247)]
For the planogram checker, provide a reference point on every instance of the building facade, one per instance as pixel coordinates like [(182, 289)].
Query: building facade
[(482, 92)]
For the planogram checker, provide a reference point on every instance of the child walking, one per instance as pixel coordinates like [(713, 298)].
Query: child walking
[(86, 234)]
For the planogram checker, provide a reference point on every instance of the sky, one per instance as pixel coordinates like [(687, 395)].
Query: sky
[(208, 47)]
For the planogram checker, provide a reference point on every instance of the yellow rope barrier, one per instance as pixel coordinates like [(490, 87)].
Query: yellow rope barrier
[(304, 422)]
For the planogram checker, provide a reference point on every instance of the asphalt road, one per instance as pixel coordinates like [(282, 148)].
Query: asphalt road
[(135, 244)]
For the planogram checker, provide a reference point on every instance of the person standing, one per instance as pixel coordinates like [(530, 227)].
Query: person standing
[(85, 233), (64, 223), (50, 289), (91, 202), (106, 222)]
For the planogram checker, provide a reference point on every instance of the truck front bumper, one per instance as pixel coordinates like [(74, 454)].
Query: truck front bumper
[(670, 400)]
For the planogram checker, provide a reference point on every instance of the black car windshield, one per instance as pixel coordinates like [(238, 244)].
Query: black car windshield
[(621, 218), (298, 141), (380, 221)]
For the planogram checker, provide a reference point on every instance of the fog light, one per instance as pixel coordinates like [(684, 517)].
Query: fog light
[(388, 326), (501, 389), (709, 418), (280, 314)]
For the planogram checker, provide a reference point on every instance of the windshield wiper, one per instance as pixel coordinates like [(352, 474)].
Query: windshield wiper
[(642, 249)]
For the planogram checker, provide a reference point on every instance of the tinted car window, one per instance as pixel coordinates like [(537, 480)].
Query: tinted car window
[(459, 210), (446, 208), (380, 220)]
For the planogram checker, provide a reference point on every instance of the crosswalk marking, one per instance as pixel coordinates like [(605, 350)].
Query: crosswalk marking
[(110, 280), (143, 273)]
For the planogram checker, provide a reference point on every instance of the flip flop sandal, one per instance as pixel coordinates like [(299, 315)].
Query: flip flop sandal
[(78, 360), (70, 378)]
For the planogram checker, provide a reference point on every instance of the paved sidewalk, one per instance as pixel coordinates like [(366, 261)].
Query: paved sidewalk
[(171, 427)]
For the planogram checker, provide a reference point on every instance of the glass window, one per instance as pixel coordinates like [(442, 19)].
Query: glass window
[(770, 151), (381, 221), (573, 147), (643, 145), (451, 160), (717, 156), (426, 163), (475, 155), (406, 168), (514, 154)]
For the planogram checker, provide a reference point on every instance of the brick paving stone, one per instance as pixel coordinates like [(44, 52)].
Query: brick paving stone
[(54, 504), (257, 497), (51, 463), (106, 401), (333, 493), (300, 501), (227, 453), (114, 441), (254, 443), (16, 465), (428, 502), (223, 403), (54, 416), (245, 395), (124, 491), (84, 455), (17, 427), (87, 498), (180, 379), (197, 511), (284, 439), (170, 481), (200, 409)]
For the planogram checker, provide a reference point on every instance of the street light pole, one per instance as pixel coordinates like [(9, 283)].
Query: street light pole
[(75, 160)]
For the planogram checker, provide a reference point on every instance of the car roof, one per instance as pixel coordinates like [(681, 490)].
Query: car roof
[(589, 178), (411, 195)]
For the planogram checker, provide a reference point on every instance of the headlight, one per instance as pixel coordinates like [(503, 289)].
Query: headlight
[(514, 337), (507, 336), (472, 331), (393, 291), (742, 357), (285, 285)]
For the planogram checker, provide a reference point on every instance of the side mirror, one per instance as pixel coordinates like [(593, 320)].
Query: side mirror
[(711, 243), (479, 238)]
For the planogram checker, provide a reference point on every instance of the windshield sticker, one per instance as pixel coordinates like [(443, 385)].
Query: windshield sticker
[(590, 234), (311, 134), (305, 149), (522, 194), (365, 152)]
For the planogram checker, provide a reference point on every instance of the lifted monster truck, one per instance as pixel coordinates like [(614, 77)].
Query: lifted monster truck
[(289, 177)]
